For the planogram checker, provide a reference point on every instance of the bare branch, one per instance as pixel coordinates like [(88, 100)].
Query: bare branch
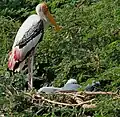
[(103, 93)]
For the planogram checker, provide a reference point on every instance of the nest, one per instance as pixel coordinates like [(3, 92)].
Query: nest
[(69, 99)]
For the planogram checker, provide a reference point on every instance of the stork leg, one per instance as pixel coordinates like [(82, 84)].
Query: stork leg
[(30, 69), (29, 72)]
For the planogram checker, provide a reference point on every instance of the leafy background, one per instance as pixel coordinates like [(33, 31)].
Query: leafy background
[(87, 48)]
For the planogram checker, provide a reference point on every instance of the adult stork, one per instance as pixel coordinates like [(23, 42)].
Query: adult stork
[(28, 36)]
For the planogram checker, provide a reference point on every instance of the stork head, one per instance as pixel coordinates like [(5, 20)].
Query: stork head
[(71, 81), (71, 85), (43, 12)]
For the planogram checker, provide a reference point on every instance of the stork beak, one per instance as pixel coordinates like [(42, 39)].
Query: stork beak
[(53, 22)]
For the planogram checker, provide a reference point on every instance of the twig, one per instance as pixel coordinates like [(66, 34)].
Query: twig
[(67, 91), (82, 94), (103, 93), (88, 106), (116, 97)]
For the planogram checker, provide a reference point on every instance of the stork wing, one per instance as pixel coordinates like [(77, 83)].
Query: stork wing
[(34, 31), (28, 36)]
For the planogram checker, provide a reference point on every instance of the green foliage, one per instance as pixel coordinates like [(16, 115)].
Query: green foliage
[(107, 102), (87, 49), (82, 49)]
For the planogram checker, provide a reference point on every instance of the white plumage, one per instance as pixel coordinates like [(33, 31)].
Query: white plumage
[(27, 24), (71, 85)]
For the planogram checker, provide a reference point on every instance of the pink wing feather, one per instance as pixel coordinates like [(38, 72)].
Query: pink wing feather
[(14, 57)]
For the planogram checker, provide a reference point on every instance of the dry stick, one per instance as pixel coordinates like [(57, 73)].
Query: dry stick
[(103, 93), (89, 93), (88, 106), (78, 100), (116, 97)]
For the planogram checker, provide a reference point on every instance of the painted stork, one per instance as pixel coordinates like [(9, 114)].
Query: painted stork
[(28, 36)]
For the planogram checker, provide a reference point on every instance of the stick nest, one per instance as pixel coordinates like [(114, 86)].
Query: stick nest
[(69, 99)]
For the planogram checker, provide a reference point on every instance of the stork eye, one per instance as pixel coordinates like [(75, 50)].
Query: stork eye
[(45, 9), (74, 83)]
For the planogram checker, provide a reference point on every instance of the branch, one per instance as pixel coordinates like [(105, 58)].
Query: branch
[(88, 93), (88, 106), (103, 93)]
